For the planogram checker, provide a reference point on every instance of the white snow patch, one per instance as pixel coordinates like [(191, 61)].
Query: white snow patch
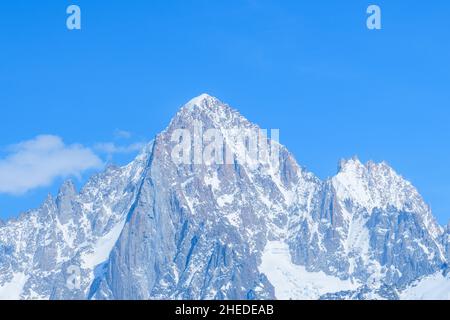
[(234, 219), (213, 181), (13, 289), (434, 287), (102, 248), (357, 241), (293, 281), (199, 101), (225, 200)]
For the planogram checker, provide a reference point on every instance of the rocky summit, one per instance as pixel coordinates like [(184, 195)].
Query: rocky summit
[(155, 229)]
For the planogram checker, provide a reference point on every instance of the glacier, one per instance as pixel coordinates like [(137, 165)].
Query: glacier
[(154, 229)]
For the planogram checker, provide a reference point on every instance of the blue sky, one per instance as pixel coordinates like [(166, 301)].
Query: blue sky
[(310, 68)]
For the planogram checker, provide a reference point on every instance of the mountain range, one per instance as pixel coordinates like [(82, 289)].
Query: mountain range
[(154, 229)]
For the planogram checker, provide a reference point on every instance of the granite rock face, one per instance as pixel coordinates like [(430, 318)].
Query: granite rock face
[(157, 229)]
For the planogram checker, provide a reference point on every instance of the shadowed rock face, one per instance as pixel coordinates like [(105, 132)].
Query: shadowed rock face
[(157, 230), (446, 243)]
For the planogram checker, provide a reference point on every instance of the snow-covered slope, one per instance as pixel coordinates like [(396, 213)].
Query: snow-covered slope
[(432, 287), (294, 282), (155, 229)]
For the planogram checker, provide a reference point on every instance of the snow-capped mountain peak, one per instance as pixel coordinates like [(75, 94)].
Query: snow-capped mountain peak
[(375, 185), (155, 229), (203, 101), (209, 111)]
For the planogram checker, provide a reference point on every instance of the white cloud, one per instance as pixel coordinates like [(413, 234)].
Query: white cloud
[(122, 134), (38, 162), (111, 148)]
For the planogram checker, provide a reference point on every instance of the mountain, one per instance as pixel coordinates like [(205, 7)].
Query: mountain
[(157, 229)]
